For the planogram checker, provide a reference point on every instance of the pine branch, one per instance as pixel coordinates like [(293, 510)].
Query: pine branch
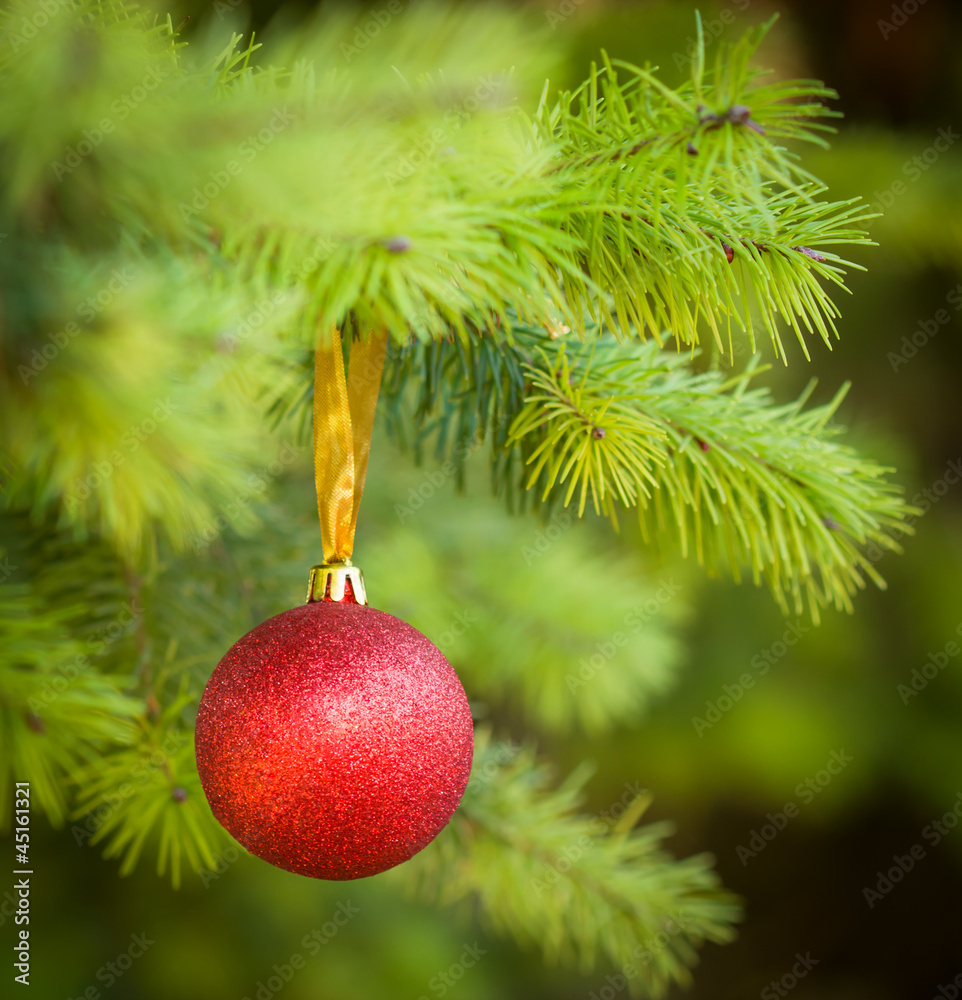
[(739, 480), (585, 891), (682, 186), (149, 792), (488, 225), (732, 477), (276, 199), (55, 711)]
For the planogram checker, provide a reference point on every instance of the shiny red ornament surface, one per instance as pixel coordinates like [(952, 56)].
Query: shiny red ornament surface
[(334, 740)]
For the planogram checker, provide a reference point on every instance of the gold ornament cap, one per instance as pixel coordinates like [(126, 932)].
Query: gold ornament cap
[(328, 582)]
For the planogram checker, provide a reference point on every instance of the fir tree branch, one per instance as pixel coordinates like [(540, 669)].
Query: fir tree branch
[(149, 792), (493, 229), (586, 892), (511, 220), (735, 479), (637, 139), (55, 712)]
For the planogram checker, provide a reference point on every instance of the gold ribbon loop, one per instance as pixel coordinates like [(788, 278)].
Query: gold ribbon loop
[(343, 421)]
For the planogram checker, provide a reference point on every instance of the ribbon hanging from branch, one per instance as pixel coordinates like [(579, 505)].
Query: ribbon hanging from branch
[(343, 420)]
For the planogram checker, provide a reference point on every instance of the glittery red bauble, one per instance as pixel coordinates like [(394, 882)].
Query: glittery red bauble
[(334, 741)]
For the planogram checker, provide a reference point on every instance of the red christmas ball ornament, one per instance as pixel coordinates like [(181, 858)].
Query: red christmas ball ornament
[(334, 740)]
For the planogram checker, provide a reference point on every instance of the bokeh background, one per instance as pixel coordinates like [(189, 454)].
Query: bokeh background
[(899, 76)]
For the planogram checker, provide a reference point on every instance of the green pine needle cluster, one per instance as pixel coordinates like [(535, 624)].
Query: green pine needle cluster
[(712, 463), (58, 711), (582, 888), (150, 787), (691, 209)]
